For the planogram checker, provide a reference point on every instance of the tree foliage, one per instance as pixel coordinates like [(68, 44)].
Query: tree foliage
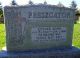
[(1, 13), (73, 5), (13, 2)]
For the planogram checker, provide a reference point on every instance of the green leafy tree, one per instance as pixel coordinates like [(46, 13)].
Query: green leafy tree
[(1, 13)]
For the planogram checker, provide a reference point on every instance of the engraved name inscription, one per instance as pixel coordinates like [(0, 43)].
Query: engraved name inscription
[(45, 34)]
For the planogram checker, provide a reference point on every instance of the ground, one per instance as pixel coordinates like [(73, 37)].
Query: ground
[(2, 36), (76, 35)]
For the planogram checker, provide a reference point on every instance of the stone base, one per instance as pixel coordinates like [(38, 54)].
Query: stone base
[(51, 53)]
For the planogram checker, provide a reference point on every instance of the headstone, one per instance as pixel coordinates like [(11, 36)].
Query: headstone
[(39, 28)]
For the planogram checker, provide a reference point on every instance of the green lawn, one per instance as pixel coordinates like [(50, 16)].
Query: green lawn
[(2, 36), (76, 36)]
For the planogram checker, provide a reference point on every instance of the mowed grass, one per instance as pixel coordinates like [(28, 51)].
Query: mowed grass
[(2, 36), (76, 35)]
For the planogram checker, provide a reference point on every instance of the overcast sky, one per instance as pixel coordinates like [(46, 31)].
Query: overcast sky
[(53, 2)]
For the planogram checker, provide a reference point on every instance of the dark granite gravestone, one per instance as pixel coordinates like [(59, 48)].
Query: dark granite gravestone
[(39, 31)]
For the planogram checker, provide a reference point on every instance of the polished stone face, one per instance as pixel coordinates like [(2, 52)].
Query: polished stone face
[(38, 27)]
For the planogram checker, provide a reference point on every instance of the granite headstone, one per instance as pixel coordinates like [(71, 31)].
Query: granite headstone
[(39, 31), (38, 27)]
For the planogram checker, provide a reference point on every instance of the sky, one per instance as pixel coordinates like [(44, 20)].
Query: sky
[(66, 3)]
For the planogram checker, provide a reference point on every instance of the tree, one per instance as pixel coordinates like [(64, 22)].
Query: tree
[(60, 4), (73, 5), (45, 3), (1, 12), (30, 2), (13, 2)]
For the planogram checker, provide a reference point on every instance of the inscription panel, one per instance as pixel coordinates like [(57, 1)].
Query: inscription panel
[(46, 34)]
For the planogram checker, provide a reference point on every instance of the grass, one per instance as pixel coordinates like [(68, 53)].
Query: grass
[(76, 35), (2, 36)]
